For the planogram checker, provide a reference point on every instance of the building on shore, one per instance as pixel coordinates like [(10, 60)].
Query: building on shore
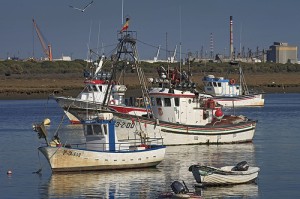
[(282, 53)]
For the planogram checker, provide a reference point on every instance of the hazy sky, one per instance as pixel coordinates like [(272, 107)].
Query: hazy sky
[(255, 23)]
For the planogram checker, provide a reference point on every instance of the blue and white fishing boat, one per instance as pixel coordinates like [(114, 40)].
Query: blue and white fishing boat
[(102, 149), (230, 94)]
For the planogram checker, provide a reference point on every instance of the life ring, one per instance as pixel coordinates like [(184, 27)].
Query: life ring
[(232, 82), (160, 111)]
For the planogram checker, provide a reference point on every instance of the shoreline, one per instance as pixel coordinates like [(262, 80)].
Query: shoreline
[(41, 87)]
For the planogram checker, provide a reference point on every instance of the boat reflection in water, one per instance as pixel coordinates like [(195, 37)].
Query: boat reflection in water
[(136, 183), (153, 182), (236, 191)]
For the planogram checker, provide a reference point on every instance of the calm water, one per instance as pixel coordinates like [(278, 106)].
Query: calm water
[(275, 149)]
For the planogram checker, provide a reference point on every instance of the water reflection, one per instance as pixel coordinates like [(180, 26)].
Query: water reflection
[(138, 183), (236, 191)]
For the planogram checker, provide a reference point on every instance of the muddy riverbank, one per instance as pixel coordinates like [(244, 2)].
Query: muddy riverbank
[(41, 86)]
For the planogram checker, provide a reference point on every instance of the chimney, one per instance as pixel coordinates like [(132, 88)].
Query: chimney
[(231, 40)]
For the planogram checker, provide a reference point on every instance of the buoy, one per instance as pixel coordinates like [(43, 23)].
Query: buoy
[(219, 114), (9, 172), (47, 121)]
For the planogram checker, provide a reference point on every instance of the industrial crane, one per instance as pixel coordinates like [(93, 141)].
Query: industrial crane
[(46, 48)]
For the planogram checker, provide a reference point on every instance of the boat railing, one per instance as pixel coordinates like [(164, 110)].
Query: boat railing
[(122, 145), (147, 141)]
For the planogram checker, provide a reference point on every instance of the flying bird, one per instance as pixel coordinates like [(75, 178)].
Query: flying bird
[(83, 9)]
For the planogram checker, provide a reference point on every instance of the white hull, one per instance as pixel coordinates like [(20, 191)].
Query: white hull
[(68, 159), (176, 134), (236, 177), (66, 103), (241, 101)]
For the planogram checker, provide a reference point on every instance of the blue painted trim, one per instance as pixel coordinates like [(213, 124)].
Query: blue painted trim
[(111, 136)]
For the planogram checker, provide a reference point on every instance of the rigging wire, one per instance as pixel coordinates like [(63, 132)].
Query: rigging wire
[(163, 49)]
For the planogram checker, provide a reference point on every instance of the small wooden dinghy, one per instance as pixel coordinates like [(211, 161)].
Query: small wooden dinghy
[(227, 175)]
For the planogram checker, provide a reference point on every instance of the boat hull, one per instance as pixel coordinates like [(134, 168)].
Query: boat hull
[(68, 159), (224, 131), (176, 134), (230, 178), (241, 101), (68, 102)]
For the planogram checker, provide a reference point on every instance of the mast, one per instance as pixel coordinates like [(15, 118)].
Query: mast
[(126, 51)]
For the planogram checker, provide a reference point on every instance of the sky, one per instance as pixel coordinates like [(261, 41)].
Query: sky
[(191, 24)]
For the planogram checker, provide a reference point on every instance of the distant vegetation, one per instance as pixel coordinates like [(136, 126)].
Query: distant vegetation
[(10, 67)]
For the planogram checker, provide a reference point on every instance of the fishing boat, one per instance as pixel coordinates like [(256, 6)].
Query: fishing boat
[(229, 93), (102, 149), (99, 88), (227, 175)]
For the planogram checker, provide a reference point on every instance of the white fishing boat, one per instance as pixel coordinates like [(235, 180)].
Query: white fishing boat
[(229, 93), (99, 88), (228, 175), (102, 149)]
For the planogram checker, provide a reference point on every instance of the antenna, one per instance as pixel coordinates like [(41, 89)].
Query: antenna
[(211, 46), (241, 39), (174, 55), (88, 45), (180, 41), (156, 58), (122, 12), (98, 37), (166, 45)]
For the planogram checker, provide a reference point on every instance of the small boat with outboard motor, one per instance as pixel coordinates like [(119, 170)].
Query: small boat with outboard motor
[(227, 175)]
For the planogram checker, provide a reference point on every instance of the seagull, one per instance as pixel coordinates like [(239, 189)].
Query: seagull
[(82, 10)]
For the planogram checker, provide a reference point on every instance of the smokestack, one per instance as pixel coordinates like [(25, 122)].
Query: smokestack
[(231, 40)]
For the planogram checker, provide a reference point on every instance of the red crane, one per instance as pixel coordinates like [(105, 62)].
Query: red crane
[(46, 48)]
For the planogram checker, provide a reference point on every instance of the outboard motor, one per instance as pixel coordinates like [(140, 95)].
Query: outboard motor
[(196, 173), (241, 166), (178, 187)]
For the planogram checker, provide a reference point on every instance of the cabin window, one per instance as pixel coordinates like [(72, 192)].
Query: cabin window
[(176, 101), (167, 102), (219, 84), (90, 88), (105, 129), (215, 84), (97, 130), (89, 130), (209, 83), (152, 101), (100, 88), (158, 102), (95, 88)]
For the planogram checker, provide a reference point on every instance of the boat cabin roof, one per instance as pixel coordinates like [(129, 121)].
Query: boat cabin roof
[(211, 78)]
